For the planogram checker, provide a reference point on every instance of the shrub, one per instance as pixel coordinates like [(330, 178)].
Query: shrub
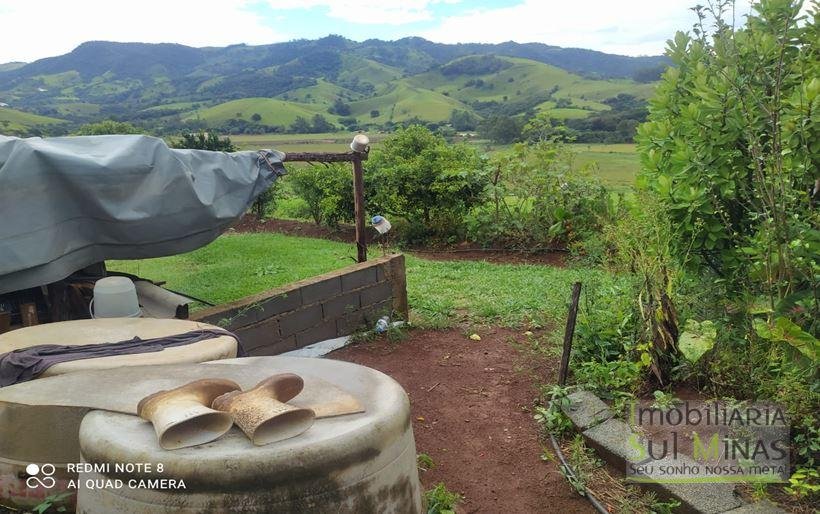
[(108, 127), (416, 175), (538, 199), (327, 190), (731, 149)]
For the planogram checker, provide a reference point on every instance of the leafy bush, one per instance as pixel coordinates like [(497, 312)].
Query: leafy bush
[(327, 191), (417, 176), (108, 127), (202, 141), (731, 148), (538, 199)]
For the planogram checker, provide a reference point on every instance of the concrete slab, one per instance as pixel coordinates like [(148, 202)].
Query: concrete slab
[(611, 440), (762, 507), (706, 498), (586, 410)]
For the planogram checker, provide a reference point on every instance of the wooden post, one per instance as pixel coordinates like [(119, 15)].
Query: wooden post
[(563, 371), (358, 203), (359, 151)]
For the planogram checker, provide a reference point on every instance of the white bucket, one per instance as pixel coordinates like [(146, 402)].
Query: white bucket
[(114, 297)]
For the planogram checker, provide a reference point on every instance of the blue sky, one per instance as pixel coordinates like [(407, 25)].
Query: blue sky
[(30, 31)]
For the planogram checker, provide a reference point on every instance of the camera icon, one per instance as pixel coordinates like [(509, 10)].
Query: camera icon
[(35, 479)]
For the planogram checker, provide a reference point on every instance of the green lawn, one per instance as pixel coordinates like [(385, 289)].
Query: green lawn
[(440, 293)]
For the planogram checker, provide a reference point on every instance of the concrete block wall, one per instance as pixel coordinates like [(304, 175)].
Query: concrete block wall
[(335, 304)]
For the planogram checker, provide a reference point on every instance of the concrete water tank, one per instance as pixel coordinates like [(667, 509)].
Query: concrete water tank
[(355, 463), (97, 331), (40, 430)]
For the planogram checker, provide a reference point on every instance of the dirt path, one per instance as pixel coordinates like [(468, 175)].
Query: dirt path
[(472, 411)]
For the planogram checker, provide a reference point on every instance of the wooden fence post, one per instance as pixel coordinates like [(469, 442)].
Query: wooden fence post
[(358, 206), (563, 371)]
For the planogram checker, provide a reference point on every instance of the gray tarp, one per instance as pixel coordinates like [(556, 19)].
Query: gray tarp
[(69, 202)]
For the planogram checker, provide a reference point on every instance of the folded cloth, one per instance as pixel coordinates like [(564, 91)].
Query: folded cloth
[(28, 363)]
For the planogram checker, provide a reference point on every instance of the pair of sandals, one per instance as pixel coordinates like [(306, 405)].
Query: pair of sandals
[(204, 410)]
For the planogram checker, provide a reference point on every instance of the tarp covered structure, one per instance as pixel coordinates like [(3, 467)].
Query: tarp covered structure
[(69, 202)]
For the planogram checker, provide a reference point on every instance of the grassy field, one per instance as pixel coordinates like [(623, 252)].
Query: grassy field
[(617, 164), (12, 120), (272, 111), (325, 142), (440, 293)]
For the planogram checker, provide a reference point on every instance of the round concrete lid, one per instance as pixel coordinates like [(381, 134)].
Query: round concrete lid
[(341, 448), (98, 331)]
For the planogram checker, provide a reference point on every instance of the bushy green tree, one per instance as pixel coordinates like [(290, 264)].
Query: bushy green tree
[(732, 150), (501, 129), (327, 190), (205, 141), (107, 127), (418, 176)]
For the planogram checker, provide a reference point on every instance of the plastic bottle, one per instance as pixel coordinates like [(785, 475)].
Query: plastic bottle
[(382, 325)]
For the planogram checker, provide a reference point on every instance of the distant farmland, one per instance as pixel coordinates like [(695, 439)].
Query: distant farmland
[(617, 164)]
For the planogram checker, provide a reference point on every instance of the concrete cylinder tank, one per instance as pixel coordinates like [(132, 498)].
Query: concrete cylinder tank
[(40, 432), (354, 463)]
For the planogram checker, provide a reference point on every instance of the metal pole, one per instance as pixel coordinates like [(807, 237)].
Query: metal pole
[(563, 371), (358, 205)]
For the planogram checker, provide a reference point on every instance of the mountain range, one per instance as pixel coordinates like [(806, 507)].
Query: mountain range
[(372, 82)]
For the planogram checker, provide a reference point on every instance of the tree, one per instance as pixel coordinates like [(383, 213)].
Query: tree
[(463, 120), (327, 190), (320, 124), (339, 108), (374, 113), (301, 126), (731, 145), (205, 141), (731, 152), (418, 175), (501, 129), (256, 117), (107, 127)]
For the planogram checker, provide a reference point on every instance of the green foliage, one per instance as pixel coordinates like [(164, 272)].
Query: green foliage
[(642, 241), (664, 401), (552, 418), (731, 148), (538, 199), (501, 129), (327, 191), (202, 141), (440, 500), (416, 175), (696, 339), (425, 462), (53, 503), (107, 127), (583, 462), (805, 482), (782, 330)]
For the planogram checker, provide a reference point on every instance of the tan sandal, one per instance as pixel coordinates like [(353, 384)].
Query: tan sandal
[(262, 412), (182, 417)]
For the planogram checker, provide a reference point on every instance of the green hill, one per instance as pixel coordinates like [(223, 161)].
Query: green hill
[(272, 111), (526, 82), (171, 88), (403, 101), (14, 122)]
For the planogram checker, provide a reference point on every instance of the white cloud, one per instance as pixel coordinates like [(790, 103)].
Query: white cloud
[(31, 30), (636, 27), (388, 12)]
